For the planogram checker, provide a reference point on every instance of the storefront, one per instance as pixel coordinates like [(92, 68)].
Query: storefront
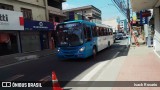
[(138, 5), (11, 23), (36, 36)]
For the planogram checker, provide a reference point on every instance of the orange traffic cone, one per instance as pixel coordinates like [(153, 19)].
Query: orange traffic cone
[(56, 85)]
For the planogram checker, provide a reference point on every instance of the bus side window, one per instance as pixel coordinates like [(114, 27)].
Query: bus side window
[(104, 32), (93, 31), (87, 33), (89, 37), (101, 32), (107, 32), (97, 31), (111, 32)]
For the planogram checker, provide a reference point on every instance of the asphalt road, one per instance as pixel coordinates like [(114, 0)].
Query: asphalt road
[(66, 70)]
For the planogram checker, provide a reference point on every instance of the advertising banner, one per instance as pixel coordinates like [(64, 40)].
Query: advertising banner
[(11, 20), (38, 25), (143, 20)]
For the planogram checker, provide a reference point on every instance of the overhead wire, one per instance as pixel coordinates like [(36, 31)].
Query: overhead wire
[(119, 9)]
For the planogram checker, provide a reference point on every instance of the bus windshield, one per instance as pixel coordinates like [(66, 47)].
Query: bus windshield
[(70, 34)]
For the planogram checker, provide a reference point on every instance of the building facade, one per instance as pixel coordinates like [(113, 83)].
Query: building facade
[(155, 5), (25, 26), (54, 10), (10, 26), (123, 26), (113, 22), (89, 13)]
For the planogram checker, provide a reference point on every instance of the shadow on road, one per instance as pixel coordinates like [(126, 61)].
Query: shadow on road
[(66, 70), (72, 68)]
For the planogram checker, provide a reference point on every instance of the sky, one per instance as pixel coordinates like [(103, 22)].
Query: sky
[(106, 6)]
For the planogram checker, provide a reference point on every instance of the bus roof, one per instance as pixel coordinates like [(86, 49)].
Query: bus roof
[(103, 25), (77, 21), (84, 21)]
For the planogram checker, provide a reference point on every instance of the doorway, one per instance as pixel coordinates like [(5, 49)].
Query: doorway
[(44, 40)]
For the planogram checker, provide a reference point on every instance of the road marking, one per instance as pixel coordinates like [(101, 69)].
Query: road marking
[(115, 55), (15, 64), (156, 53), (96, 69), (45, 79), (13, 78)]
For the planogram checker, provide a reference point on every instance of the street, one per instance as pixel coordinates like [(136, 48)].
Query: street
[(66, 70), (79, 45)]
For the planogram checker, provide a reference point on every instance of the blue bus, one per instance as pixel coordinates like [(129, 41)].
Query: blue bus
[(81, 39)]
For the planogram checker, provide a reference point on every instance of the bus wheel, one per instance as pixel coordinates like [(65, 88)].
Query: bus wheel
[(94, 53), (109, 44)]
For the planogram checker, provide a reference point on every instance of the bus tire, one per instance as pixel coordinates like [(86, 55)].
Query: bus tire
[(94, 51), (114, 41), (109, 44)]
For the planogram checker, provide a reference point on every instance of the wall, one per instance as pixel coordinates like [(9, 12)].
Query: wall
[(38, 12), (89, 13), (157, 29), (35, 2)]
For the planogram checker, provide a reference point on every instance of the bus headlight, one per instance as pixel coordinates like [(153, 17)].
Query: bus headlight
[(58, 49), (82, 49)]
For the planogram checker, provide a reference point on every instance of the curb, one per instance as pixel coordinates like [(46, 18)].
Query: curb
[(156, 53)]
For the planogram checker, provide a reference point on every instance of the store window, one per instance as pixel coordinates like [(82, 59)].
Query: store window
[(27, 13), (8, 43)]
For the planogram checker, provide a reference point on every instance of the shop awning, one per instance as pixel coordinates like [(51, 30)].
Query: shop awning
[(138, 5)]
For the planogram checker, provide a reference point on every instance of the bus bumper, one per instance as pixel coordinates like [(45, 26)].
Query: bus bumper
[(71, 56)]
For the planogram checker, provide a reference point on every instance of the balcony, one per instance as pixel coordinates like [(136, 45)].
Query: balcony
[(56, 11)]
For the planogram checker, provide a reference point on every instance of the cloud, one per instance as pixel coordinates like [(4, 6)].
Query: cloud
[(67, 6)]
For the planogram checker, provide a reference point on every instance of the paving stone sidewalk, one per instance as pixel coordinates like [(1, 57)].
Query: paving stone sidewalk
[(141, 64)]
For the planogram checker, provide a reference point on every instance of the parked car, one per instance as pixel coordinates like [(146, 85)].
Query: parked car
[(119, 36), (124, 36)]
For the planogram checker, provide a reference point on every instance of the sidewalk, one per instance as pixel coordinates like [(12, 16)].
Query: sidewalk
[(140, 41), (21, 57), (141, 64)]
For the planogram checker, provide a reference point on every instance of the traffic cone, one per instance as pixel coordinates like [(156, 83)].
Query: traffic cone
[(55, 83)]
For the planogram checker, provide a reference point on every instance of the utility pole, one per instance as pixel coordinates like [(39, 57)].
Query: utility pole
[(129, 25), (128, 13)]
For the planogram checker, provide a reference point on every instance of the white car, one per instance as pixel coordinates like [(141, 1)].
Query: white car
[(119, 36)]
